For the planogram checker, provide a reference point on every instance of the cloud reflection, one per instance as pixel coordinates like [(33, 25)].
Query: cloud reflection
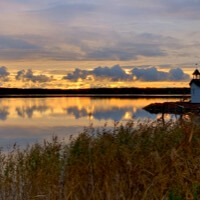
[(25, 120), (28, 111), (77, 113), (113, 113), (140, 113), (4, 113), (77, 108)]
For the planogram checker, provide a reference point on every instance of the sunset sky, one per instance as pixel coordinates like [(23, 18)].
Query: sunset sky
[(93, 43)]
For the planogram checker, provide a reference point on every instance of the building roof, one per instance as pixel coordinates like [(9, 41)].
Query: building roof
[(195, 81), (196, 72)]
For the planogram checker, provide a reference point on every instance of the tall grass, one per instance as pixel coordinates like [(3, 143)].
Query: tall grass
[(144, 161)]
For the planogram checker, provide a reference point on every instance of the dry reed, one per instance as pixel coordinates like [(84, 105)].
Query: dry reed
[(133, 161)]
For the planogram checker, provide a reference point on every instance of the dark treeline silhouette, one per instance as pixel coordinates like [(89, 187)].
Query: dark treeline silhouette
[(93, 91)]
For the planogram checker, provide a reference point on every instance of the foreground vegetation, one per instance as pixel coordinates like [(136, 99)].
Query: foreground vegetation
[(144, 161)]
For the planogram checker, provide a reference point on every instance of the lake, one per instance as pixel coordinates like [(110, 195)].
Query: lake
[(27, 120)]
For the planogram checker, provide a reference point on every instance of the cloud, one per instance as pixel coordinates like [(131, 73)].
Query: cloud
[(177, 75), (115, 73), (27, 75), (152, 74), (66, 11), (122, 51), (183, 9), (98, 30), (4, 74), (149, 74), (77, 74), (113, 45), (12, 42), (82, 44), (170, 9)]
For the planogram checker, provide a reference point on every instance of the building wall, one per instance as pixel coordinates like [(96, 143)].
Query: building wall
[(195, 93)]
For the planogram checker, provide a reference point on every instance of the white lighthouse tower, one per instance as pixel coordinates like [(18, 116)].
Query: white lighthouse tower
[(195, 87)]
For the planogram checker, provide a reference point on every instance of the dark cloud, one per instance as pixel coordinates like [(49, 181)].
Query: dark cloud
[(177, 75), (149, 74), (157, 40), (75, 75), (118, 10), (152, 74), (115, 46), (115, 73), (123, 52), (98, 30), (172, 9), (4, 74), (184, 8), (27, 75), (12, 42), (82, 44), (66, 11)]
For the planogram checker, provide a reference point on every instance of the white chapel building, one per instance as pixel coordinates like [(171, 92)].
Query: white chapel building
[(195, 87)]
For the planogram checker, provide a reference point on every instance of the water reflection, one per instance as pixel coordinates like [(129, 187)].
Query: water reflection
[(28, 119), (28, 111), (141, 114), (77, 113), (113, 113), (4, 112), (99, 109)]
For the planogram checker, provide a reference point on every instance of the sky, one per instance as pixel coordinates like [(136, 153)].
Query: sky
[(93, 43)]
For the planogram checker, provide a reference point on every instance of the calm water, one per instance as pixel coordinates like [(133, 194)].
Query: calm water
[(26, 120)]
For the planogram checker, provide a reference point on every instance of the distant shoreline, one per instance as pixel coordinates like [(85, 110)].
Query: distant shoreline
[(95, 95), (97, 92)]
